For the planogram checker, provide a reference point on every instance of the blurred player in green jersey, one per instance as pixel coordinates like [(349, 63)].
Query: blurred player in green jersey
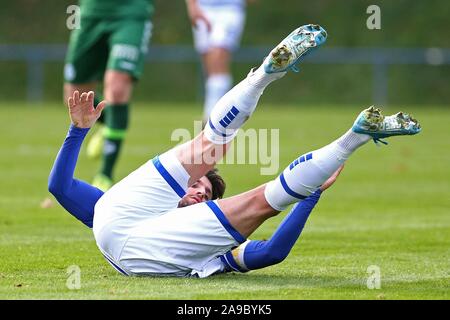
[(110, 46)]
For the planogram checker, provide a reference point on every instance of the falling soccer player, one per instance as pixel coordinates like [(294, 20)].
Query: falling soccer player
[(167, 218)]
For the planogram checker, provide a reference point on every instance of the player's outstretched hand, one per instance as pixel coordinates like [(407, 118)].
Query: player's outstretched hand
[(81, 109), (331, 179)]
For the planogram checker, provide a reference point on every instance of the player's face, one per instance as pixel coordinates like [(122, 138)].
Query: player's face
[(200, 191)]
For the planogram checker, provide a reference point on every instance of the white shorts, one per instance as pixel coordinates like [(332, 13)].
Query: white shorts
[(227, 24), (140, 230), (143, 194), (180, 242)]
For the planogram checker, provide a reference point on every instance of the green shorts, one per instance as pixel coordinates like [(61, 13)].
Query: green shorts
[(101, 44)]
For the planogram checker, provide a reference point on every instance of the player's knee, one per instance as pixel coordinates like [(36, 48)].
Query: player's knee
[(263, 206), (118, 88), (116, 95)]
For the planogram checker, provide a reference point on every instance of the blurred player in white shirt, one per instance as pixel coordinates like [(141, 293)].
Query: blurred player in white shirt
[(217, 31)]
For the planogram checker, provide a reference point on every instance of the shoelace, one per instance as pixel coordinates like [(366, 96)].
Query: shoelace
[(295, 68), (378, 141)]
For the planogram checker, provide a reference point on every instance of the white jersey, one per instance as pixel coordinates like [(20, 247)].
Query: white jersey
[(180, 242), (141, 195), (227, 19), (140, 230)]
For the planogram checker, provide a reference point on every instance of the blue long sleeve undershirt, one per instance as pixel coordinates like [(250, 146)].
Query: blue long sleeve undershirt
[(77, 197)]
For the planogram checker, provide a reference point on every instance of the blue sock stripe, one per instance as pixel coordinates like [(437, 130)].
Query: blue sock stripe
[(228, 118), (217, 131), (300, 160), (288, 190), (169, 179), (224, 221), (234, 111)]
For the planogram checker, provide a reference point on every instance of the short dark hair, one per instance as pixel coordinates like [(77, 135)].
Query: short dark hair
[(217, 182)]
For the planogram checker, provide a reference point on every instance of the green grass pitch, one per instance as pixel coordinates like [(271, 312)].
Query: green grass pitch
[(390, 208)]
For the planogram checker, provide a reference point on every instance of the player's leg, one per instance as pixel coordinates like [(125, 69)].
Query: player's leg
[(160, 183), (84, 65), (218, 80), (86, 58), (216, 47), (306, 174), (117, 91), (128, 47), (257, 254), (235, 107)]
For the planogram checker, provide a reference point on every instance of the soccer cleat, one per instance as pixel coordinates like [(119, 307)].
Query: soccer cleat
[(102, 182), (294, 48), (373, 123), (95, 146)]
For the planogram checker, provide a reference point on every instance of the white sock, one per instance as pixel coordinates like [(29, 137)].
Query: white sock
[(236, 106), (351, 141), (215, 88), (308, 172)]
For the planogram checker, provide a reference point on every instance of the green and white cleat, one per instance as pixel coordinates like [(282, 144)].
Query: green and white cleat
[(102, 182), (294, 48), (94, 148), (372, 122)]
